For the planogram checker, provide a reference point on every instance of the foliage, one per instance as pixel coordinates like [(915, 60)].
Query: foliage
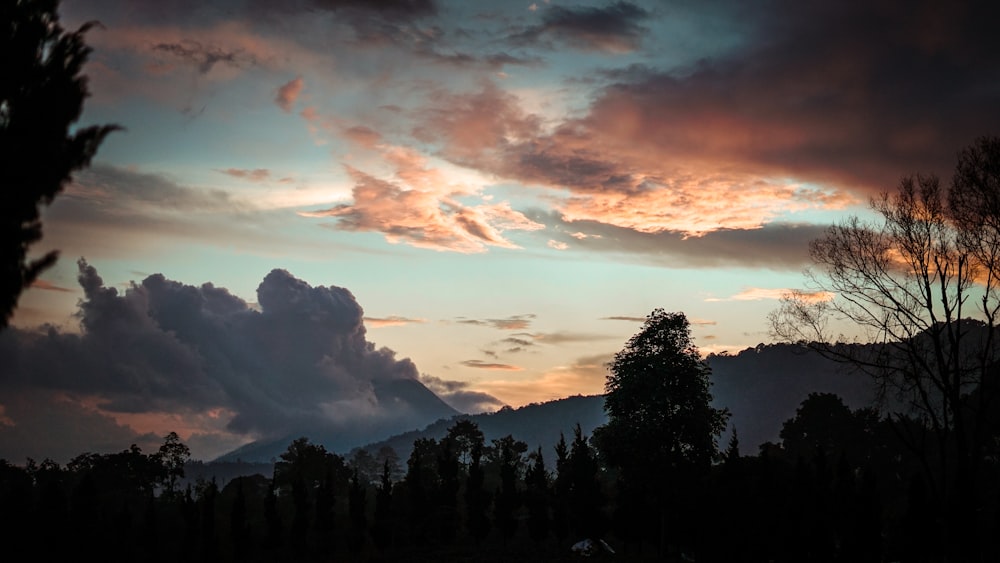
[(660, 421), (41, 98)]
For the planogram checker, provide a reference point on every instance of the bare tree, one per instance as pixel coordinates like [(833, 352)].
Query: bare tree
[(920, 285)]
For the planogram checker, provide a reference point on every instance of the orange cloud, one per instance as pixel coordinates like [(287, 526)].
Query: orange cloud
[(622, 166), (48, 286), (479, 364), (421, 207), (392, 320), (760, 293), (585, 376)]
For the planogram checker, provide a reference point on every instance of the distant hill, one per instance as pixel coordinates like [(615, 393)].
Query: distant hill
[(537, 424), (761, 386)]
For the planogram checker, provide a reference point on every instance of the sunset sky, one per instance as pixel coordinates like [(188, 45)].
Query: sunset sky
[(506, 188)]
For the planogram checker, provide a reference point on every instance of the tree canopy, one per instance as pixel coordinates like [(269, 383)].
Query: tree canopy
[(41, 98), (658, 401)]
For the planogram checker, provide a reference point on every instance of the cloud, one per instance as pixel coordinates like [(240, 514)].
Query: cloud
[(204, 57), (420, 207), (558, 245), (460, 396), (255, 175), (614, 28), (568, 337), (777, 245), (162, 348), (392, 320), (389, 9), (761, 293), (513, 322), (288, 93), (584, 376), (49, 286), (479, 364), (624, 318)]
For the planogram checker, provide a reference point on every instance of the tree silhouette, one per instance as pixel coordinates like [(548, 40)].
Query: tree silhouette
[(536, 496), (662, 431), (922, 281), (41, 97)]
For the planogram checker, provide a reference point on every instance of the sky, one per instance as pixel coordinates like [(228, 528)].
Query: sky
[(486, 196)]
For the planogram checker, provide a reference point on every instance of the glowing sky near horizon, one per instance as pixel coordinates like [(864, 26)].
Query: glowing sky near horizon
[(507, 188)]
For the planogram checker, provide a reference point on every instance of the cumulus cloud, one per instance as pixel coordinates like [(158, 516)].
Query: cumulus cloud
[(301, 362)]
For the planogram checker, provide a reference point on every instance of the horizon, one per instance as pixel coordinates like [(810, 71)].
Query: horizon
[(486, 198)]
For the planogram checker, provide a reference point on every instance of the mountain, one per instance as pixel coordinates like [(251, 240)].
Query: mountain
[(537, 424), (403, 404), (761, 386)]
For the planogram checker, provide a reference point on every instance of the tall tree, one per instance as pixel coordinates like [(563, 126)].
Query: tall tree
[(536, 496), (662, 431), (922, 283), (41, 97)]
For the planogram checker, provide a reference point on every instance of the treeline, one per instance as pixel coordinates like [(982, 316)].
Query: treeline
[(837, 488)]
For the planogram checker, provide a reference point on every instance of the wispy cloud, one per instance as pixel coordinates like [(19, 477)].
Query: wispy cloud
[(479, 364), (254, 175), (762, 293), (514, 322), (48, 286), (584, 376), (392, 320)]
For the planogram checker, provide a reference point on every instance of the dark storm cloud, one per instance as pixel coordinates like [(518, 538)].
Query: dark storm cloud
[(613, 28), (459, 396), (301, 361)]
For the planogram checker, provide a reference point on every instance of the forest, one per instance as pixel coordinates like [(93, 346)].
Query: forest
[(652, 484)]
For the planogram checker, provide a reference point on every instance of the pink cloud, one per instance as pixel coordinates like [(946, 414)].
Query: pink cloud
[(289, 93), (420, 207), (392, 320)]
